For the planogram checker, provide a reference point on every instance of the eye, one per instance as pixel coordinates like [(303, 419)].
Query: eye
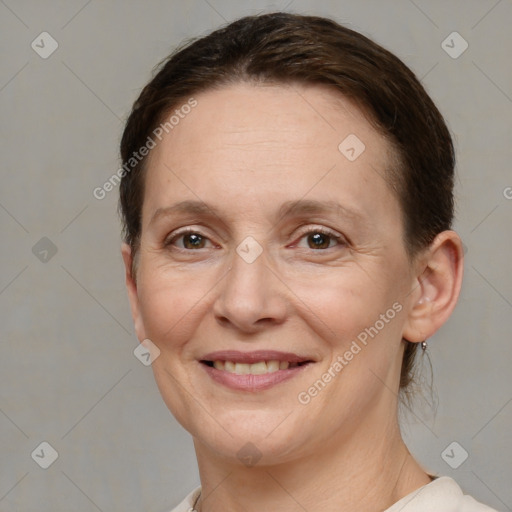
[(187, 240), (321, 238)]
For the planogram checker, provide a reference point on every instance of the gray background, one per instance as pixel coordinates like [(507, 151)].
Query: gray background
[(68, 372)]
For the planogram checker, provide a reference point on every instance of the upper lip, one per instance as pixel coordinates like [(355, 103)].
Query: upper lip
[(255, 356)]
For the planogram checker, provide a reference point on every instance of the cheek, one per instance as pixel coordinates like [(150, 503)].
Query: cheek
[(344, 302), (170, 305), (361, 321)]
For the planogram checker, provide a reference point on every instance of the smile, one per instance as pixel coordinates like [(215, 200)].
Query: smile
[(259, 368), (253, 371)]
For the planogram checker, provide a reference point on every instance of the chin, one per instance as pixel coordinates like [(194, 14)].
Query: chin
[(251, 438)]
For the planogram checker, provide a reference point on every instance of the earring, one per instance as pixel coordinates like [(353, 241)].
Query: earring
[(424, 345)]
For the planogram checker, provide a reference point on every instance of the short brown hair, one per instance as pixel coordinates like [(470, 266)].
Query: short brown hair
[(289, 48)]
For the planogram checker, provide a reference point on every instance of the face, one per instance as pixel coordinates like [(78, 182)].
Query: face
[(272, 273)]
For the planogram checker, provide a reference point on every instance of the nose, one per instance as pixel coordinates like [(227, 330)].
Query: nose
[(251, 297)]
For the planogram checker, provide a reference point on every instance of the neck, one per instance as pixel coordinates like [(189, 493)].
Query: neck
[(367, 470)]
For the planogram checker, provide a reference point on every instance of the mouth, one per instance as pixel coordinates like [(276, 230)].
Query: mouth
[(253, 371), (259, 368)]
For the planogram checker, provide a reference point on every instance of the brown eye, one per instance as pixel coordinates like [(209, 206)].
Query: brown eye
[(193, 241), (320, 239), (188, 240)]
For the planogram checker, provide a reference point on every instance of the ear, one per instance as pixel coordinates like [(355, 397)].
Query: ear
[(131, 287), (436, 287)]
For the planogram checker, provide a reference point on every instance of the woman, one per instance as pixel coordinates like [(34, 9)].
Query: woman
[(287, 204)]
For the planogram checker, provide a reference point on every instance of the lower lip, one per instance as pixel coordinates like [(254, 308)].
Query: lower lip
[(252, 382)]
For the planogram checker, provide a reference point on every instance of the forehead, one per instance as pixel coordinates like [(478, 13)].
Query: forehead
[(269, 141)]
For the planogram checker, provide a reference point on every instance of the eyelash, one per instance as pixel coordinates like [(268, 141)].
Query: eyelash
[(324, 231)]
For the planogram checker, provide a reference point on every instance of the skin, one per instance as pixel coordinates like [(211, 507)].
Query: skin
[(245, 150)]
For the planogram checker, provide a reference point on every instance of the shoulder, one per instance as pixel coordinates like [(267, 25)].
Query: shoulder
[(188, 503), (441, 495)]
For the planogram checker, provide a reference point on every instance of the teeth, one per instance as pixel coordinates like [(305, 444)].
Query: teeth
[(259, 368), (243, 369), (229, 366), (273, 366)]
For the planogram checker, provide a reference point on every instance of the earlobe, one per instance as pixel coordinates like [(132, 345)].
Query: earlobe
[(436, 288), (131, 288)]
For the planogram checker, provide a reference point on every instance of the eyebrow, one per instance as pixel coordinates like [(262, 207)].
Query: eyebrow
[(185, 208), (288, 209), (312, 207)]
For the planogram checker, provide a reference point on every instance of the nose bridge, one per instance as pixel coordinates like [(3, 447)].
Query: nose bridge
[(249, 293)]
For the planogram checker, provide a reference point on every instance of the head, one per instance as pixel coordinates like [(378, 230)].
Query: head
[(296, 197)]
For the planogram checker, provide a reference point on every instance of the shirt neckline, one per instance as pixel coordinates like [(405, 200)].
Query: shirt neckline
[(439, 484)]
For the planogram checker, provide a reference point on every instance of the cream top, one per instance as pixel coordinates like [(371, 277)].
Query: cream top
[(441, 495)]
